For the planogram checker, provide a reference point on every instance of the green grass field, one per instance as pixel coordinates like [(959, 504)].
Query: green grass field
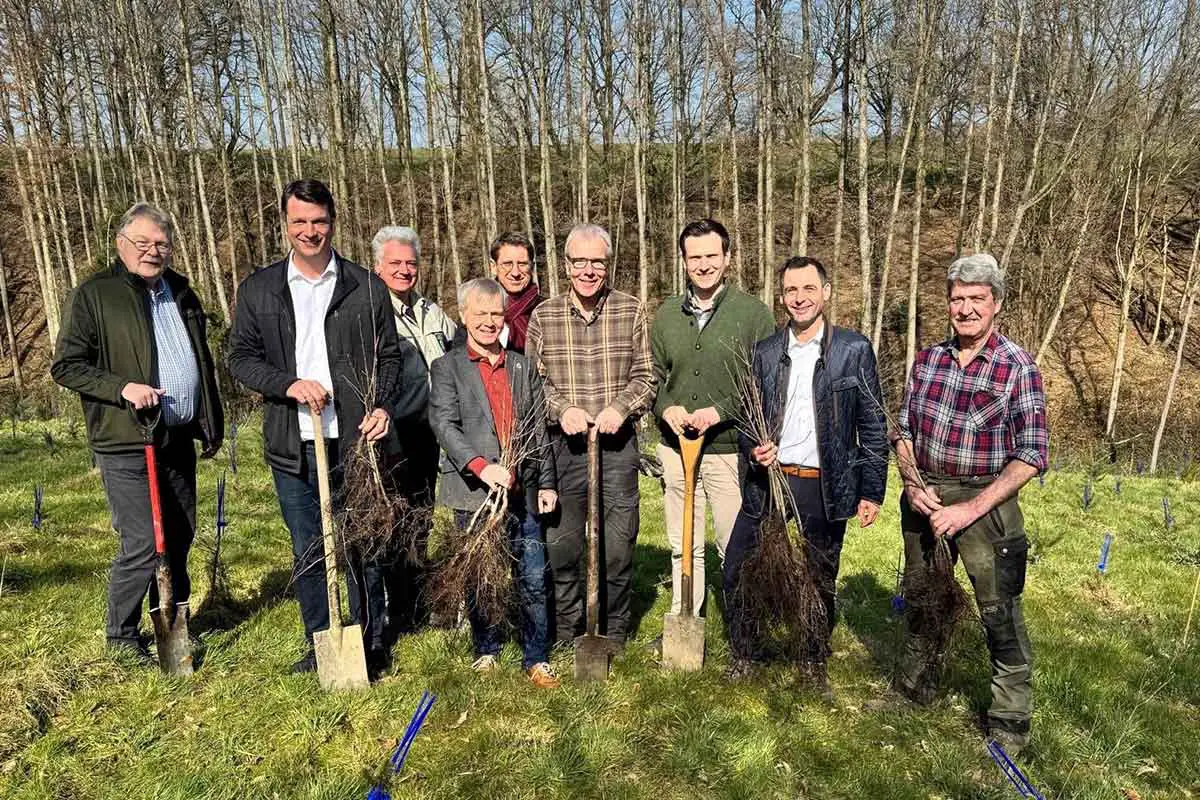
[(1117, 696)]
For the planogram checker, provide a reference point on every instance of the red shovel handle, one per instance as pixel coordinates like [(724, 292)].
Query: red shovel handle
[(160, 540)]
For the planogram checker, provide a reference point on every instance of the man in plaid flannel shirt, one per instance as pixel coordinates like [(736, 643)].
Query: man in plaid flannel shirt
[(972, 432), (591, 345)]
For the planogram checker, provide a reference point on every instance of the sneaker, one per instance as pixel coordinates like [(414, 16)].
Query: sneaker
[(308, 663), (486, 663), (1012, 742), (543, 676), (740, 669)]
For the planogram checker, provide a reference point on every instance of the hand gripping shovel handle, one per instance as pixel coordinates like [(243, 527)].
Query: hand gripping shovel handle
[(331, 576), (689, 451), (593, 533)]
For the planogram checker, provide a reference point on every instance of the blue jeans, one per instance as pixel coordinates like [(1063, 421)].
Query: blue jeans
[(300, 503), (527, 545)]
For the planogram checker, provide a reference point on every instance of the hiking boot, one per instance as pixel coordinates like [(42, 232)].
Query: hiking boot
[(739, 669), (1012, 742), (542, 676), (815, 675), (134, 651), (307, 663), (379, 660), (486, 663), (654, 646)]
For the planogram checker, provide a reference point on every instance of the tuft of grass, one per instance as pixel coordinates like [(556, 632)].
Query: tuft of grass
[(1117, 704)]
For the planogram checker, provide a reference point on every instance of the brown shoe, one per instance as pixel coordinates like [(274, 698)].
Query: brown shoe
[(542, 676)]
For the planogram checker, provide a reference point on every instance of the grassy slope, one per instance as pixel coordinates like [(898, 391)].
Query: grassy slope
[(1117, 705)]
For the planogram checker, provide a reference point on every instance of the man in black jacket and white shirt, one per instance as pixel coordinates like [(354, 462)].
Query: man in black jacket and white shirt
[(308, 332)]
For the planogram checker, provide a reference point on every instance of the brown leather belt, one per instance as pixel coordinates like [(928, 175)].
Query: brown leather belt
[(800, 472)]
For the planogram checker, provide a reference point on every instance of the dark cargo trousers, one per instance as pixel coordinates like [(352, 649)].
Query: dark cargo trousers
[(993, 551)]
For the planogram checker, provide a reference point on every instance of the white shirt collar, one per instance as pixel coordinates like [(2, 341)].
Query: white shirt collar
[(815, 341), (294, 274)]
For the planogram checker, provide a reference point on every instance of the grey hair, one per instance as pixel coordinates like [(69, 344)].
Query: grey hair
[(144, 210), (978, 268), (484, 286), (586, 230), (395, 233)]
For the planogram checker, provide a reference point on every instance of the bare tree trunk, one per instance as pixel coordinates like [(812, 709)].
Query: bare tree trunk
[(864, 212), (803, 185), (641, 99), (1127, 276), (914, 263), (485, 123), (1162, 286), (987, 131), (333, 76), (14, 356), (998, 182), (1064, 290), (434, 93), (289, 93), (585, 90), (541, 27), (1190, 292)]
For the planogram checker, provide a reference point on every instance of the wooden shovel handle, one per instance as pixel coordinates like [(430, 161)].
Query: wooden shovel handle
[(593, 533), (331, 575), (689, 451)]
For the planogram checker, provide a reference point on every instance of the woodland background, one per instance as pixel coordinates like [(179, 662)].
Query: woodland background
[(883, 137)]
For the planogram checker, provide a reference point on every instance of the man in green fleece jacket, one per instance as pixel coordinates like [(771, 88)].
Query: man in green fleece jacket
[(700, 341)]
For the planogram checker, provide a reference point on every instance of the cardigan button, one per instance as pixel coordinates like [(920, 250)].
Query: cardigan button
[(696, 372)]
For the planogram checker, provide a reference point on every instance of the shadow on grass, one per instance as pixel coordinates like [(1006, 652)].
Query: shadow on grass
[(22, 579), (865, 605), (650, 564), (221, 611)]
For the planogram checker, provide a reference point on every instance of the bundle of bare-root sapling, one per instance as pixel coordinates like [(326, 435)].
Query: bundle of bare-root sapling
[(476, 565), (934, 600), (779, 608)]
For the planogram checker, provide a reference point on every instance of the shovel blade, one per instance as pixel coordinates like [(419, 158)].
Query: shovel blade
[(171, 640), (341, 660), (683, 642), (593, 654)]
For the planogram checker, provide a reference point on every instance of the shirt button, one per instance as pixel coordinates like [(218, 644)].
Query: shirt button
[(694, 397), (697, 345), (696, 373)]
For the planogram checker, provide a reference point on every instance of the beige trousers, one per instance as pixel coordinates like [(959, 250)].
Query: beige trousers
[(719, 487)]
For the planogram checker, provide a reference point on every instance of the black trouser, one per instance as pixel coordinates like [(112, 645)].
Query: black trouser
[(414, 478), (823, 540), (300, 503), (127, 485), (566, 544)]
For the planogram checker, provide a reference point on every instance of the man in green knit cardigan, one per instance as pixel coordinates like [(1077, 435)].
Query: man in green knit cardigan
[(700, 341)]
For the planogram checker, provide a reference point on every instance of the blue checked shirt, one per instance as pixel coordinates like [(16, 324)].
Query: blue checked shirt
[(178, 373)]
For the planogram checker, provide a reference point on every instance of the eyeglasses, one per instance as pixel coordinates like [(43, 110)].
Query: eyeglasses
[(510, 266), (580, 264), (143, 246)]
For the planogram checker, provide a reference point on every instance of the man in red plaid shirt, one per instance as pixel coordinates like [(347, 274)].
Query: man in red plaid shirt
[(972, 432)]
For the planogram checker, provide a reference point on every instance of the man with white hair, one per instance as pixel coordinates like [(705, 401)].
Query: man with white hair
[(592, 348), (134, 342), (489, 413), (972, 431), (422, 326)]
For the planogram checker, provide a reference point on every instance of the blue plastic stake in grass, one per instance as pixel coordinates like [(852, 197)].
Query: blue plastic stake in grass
[(1011, 771), (233, 447), (1141, 467), (221, 520), (38, 494), (1086, 502), (400, 754), (1168, 517), (1117, 485), (1102, 564)]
